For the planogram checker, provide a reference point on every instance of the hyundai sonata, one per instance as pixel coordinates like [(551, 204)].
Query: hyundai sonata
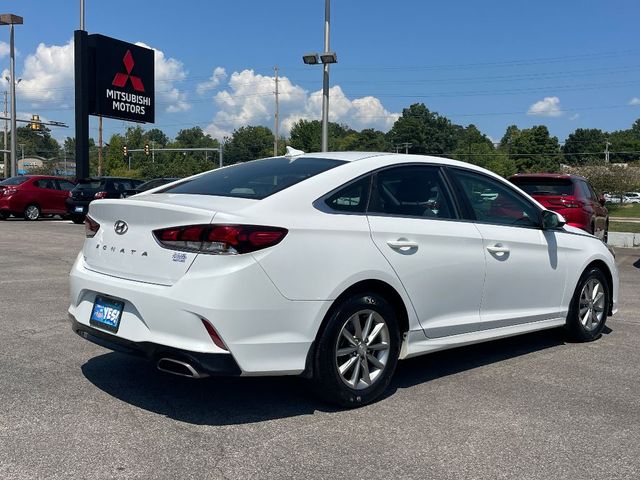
[(332, 266)]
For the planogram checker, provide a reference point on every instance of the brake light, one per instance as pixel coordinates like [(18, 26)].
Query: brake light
[(91, 227), (219, 239), (100, 195)]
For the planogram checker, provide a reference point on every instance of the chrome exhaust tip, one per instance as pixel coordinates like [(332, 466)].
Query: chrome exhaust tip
[(178, 367)]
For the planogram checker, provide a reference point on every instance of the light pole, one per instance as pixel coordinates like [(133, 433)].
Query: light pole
[(327, 57), (11, 20)]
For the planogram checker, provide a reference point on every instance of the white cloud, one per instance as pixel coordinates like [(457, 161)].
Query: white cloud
[(634, 101), (169, 71), (47, 75), (4, 49), (575, 116), (219, 74), (547, 107), (249, 100)]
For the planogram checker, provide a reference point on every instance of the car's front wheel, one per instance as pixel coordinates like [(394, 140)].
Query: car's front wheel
[(357, 352), (589, 306)]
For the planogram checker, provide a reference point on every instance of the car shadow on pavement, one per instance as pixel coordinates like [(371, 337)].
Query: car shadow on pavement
[(230, 401)]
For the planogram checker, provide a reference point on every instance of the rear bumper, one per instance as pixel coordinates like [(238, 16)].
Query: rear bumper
[(210, 363), (266, 334), (72, 204)]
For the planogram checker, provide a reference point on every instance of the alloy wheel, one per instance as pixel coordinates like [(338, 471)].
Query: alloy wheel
[(362, 349), (592, 306), (32, 212)]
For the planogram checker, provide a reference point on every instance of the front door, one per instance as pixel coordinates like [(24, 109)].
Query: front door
[(525, 268)]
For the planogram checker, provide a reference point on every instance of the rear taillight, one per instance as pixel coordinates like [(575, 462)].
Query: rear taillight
[(219, 239), (91, 227), (70, 193), (8, 191), (100, 195)]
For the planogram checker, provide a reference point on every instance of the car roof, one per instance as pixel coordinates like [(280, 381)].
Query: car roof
[(395, 157)]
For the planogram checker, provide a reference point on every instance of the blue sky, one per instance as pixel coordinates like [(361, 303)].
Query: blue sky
[(566, 64)]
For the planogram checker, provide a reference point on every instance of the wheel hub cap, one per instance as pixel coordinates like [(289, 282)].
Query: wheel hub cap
[(362, 349)]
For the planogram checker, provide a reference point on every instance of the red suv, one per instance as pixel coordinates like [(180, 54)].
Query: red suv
[(32, 196), (569, 195)]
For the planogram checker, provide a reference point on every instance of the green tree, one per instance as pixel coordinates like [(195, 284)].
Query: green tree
[(625, 144), (306, 135), (248, 143), (367, 140), (534, 150), (584, 140), (426, 131), (36, 142), (474, 147)]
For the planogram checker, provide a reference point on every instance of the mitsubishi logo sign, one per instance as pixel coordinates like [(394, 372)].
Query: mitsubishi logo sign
[(124, 83), (120, 80)]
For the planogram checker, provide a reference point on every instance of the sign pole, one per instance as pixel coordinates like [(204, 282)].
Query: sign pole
[(81, 60)]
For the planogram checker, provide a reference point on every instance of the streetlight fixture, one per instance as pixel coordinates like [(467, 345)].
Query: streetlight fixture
[(327, 57), (11, 20)]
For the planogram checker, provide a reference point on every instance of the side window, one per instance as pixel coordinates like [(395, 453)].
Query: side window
[(65, 185), (352, 198), (411, 191), (584, 190), (594, 195), (44, 183), (493, 202)]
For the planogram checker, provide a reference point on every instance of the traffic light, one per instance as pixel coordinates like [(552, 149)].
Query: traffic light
[(35, 125), (124, 151), (146, 149)]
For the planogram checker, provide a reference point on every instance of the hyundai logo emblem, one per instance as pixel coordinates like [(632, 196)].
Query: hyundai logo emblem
[(120, 227)]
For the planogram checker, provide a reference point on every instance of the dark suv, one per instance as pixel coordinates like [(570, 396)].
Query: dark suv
[(95, 188), (569, 195)]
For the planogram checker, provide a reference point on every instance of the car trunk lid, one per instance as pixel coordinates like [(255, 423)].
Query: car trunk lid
[(125, 247)]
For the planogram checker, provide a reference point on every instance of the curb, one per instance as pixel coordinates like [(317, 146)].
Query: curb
[(622, 239)]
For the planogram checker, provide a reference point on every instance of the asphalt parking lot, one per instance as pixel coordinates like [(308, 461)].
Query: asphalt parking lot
[(528, 407)]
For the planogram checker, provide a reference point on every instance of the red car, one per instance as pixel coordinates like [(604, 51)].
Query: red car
[(31, 196), (569, 195)]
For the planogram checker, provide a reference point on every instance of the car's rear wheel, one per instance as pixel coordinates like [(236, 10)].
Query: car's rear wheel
[(357, 351), (589, 306), (4, 216), (77, 219), (32, 212)]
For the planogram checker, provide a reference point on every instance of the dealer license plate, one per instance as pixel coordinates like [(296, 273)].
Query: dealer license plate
[(106, 313)]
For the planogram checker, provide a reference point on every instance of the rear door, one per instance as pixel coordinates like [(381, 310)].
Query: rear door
[(525, 267), (438, 259), (63, 189)]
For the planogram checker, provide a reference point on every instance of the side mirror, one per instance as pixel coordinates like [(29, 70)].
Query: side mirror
[(602, 200), (552, 220)]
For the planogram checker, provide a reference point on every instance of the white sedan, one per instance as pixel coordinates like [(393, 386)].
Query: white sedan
[(332, 266)]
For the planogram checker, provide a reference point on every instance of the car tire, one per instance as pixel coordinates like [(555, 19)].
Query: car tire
[(4, 216), (354, 365), (32, 212), (78, 219), (589, 307)]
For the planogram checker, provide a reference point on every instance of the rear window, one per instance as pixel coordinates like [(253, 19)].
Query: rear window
[(88, 185), (545, 186), (14, 181), (257, 179)]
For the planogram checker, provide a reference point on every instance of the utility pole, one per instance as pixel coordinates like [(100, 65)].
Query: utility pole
[(12, 76), (4, 169), (406, 146), (606, 151), (100, 146), (277, 116), (153, 151)]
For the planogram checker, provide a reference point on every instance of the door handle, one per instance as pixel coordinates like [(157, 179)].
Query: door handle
[(402, 243), (498, 248)]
